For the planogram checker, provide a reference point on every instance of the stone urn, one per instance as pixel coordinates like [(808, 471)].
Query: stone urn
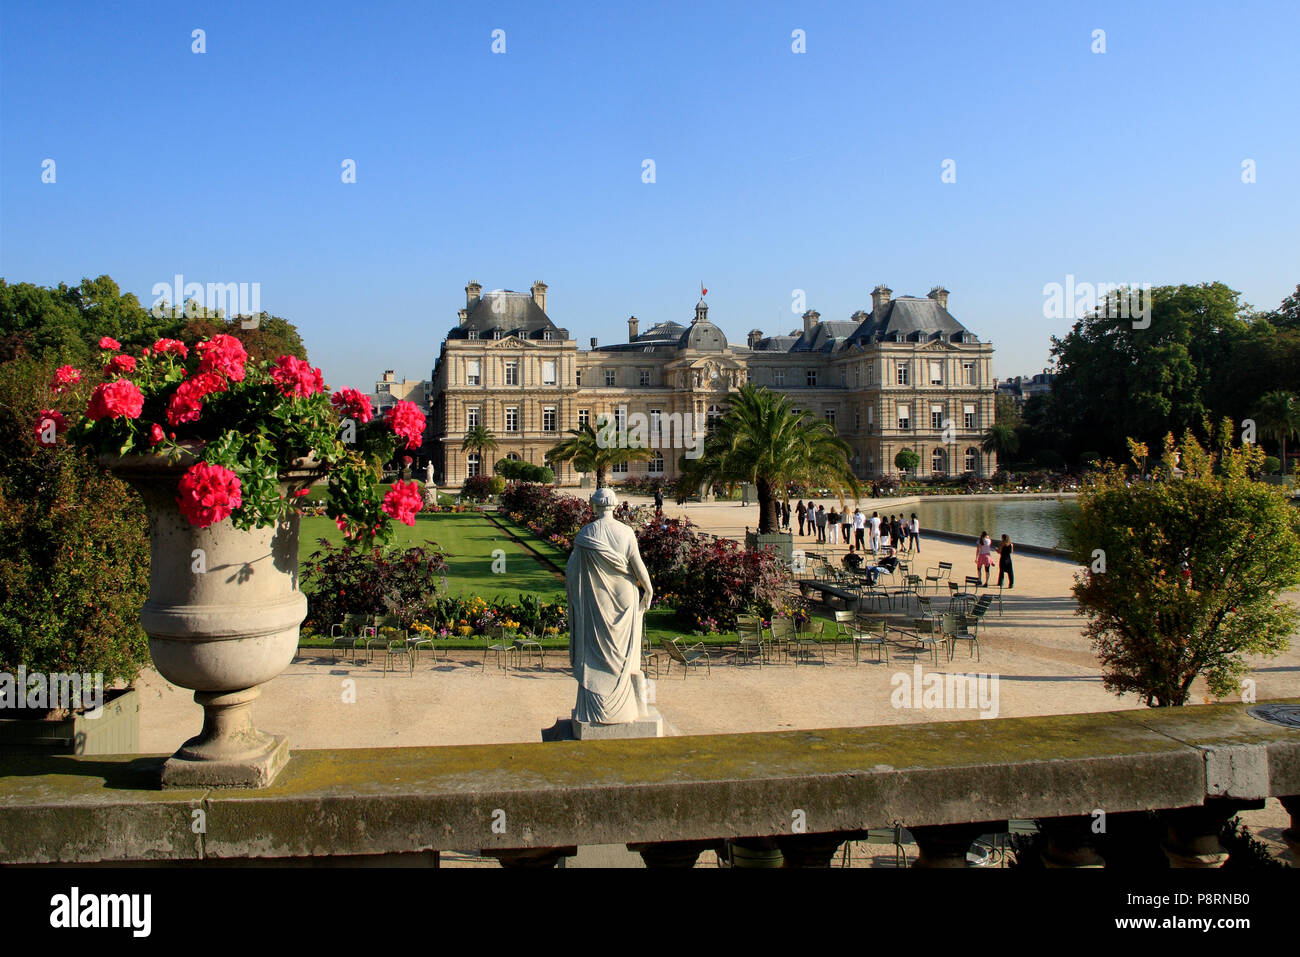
[(222, 619)]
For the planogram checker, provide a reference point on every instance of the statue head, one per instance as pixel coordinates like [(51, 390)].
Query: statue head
[(603, 501)]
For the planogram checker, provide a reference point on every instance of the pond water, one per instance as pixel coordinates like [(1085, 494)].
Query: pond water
[(1030, 521)]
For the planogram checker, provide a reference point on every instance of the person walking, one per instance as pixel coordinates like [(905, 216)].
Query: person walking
[(821, 524), (1004, 562), (915, 535), (984, 557), (812, 518), (800, 512), (859, 528), (833, 526), (875, 532), (846, 526), (659, 500), (785, 515)]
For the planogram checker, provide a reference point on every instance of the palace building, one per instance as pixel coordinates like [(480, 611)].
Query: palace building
[(904, 375)]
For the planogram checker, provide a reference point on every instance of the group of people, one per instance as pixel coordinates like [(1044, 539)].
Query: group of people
[(856, 530), (984, 560)]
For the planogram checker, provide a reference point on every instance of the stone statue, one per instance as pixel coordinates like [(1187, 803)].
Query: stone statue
[(428, 473), (606, 617)]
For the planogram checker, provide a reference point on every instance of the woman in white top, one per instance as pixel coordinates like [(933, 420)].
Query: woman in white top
[(914, 536)]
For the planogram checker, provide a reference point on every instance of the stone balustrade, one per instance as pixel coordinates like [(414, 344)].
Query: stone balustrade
[(670, 798)]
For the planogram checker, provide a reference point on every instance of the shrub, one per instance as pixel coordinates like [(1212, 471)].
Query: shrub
[(1272, 465), (477, 488), (349, 579), (497, 485), (74, 569)]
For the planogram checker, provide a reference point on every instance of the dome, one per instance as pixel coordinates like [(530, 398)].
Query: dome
[(703, 336)]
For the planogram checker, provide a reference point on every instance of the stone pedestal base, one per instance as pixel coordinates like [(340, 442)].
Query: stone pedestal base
[(229, 752), (651, 725)]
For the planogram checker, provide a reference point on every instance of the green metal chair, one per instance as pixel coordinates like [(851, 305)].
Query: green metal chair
[(750, 643), (927, 635), (500, 647), (396, 642), (955, 629), (347, 633), (874, 632), (785, 636), (685, 656)]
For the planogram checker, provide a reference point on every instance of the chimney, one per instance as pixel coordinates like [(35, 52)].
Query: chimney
[(593, 342), (755, 337), (473, 292), (539, 294), (880, 298), (809, 320), (939, 295), (632, 325)]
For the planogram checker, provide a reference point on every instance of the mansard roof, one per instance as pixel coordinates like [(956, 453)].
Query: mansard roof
[(510, 313), (911, 319)]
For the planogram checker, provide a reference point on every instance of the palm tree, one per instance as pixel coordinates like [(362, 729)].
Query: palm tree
[(1278, 418), (588, 453), (479, 439), (761, 439), (1000, 439)]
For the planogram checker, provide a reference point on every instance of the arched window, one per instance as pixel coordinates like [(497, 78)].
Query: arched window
[(972, 460), (513, 456), (656, 464), (938, 462)]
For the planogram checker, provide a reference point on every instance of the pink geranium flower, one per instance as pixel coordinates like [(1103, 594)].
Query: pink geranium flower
[(351, 404), (402, 502), (294, 376), (65, 376), (407, 421), (224, 354), (120, 398), (208, 494)]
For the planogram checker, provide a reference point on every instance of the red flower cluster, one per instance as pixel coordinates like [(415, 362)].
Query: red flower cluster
[(187, 402), (65, 376), (155, 434), (294, 376), (402, 502), (209, 493), (119, 365), (406, 419), (351, 404), (43, 422), (108, 342), (120, 398), (171, 345), (224, 354)]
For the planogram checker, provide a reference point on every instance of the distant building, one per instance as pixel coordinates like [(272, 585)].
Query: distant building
[(388, 391), (905, 375), (1023, 388)]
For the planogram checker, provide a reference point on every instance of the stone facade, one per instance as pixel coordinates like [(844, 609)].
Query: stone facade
[(905, 375)]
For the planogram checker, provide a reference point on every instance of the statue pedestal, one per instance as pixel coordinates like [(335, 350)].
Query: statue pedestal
[(648, 724)]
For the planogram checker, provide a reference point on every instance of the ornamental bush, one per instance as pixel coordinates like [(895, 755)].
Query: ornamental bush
[(74, 569), (351, 579), (1183, 574), (477, 488)]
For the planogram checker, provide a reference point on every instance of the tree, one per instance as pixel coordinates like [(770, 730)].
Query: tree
[(590, 451), (760, 438), (1278, 417), (1170, 596), (1000, 439), (906, 460), (479, 440)]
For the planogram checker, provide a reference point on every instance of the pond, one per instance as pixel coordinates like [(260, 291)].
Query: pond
[(1029, 521)]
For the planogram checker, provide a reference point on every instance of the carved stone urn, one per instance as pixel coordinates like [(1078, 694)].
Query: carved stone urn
[(222, 619)]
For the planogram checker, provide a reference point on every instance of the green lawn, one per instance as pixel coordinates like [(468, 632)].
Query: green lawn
[(468, 540)]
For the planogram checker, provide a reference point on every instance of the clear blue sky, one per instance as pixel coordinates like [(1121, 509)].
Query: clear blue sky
[(775, 171)]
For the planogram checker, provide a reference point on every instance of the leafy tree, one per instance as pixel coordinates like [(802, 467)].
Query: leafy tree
[(590, 452), (1183, 574), (907, 460), (761, 439), (1278, 417)]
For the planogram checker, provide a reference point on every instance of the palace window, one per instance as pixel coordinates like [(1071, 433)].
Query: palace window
[(936, 372), (656, 464), (472, 465), (936, 418), (548, 372), (645, 378), (844, 376), (972, 460), (968, 373), (619, 468), (904, 418), (473, 372), (577, 377), (512, 419), (904, 373), (968, 419), (548, 418), (471, 417), (830, 417), (584, 417), (778, 378), (938, 462), (512, 372), (472, 334), (610, 376), (810, 378)]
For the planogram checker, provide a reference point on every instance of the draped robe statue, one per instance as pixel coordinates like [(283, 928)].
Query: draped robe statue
[(605, 616)]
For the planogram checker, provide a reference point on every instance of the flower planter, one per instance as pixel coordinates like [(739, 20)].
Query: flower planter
[(116, 730), (222, 619)]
